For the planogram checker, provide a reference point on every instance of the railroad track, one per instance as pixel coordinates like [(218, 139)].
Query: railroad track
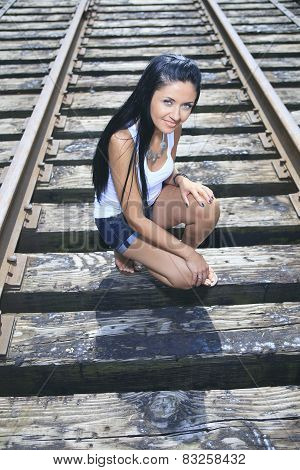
[(209, 368)]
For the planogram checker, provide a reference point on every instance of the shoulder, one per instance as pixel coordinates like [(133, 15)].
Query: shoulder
[(121, 136), (121, 140)]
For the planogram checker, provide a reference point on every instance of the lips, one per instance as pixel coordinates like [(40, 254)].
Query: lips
[(171, 124)]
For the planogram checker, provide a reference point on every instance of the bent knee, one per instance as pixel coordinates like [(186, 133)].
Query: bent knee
[(210, 212), (217, 210), (182, 281)]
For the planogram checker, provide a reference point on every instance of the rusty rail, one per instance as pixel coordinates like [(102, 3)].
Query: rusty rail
[(286, 12), (6, 7), (281, 127), (27, 164)]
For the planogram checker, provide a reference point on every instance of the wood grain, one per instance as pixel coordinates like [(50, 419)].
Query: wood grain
[(171, 347), (66, 281), (259, 418), (243, 221)]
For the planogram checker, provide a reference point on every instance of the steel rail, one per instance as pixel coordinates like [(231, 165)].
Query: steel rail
[(27, 163), (280, 124), (286, 11), (6, 7)]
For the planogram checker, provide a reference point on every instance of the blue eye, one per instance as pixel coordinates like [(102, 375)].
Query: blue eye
[(188, 106)]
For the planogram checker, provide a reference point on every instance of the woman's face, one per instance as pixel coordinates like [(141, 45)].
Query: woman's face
[(171, 105)]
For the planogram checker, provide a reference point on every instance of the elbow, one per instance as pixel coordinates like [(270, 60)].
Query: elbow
[(137, 223)]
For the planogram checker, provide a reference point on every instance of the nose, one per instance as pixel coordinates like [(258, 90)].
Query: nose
[(175, 116)]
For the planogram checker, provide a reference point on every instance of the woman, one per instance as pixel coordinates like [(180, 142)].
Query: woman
[(139, 193)]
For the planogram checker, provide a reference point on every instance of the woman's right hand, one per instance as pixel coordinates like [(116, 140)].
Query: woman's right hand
[(199, 268)]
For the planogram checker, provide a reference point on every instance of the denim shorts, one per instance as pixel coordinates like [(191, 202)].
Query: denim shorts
[(116, 233)]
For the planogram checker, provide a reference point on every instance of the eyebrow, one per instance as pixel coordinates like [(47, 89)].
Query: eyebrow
[(187, 102)]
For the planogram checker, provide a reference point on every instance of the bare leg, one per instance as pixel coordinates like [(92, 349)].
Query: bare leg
[(197, 231), (193, 236)]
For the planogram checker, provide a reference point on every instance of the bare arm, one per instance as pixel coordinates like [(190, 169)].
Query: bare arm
[(177, 134), (120, 149)]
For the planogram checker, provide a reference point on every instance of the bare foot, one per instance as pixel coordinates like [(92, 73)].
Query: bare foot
[(125, 264)]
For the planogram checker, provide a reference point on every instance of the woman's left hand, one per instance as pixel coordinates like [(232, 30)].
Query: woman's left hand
[(198, 190)]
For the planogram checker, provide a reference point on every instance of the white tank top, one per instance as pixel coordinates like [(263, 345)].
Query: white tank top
[(110, 206)]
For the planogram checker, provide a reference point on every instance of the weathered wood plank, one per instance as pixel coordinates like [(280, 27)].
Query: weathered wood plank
[(100, 102), (140, 31), (283, 76), (199, 51), (290, 96), (282, 63), (6, 152), (13, 104), (232, 3), (138, 66), (206, 65), (35, 18), (144, 41), (147, 22), (22, 70), (247, 221), (80, 281), (130, 3), (29, 27), (127, 15), (245, 6), (29, 44), (253, 4), (46, 4), (274, 49), (12, 128), (48, 34), (213, 419), (144, 8), (266, 28), (256, 12), (14, 10), (112, 82), (296, 116), (219, 123), (225, 177), (261, 20), (199, 148), (9, 84), (89, 126), (270, 38), (135, 3), (27, 56), (151, 349)]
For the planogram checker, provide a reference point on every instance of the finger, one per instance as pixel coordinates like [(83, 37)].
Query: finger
[(199, 280), (205, 276), (198, 199), (210, 277), (208, 194), (207, 282), (184, 197)]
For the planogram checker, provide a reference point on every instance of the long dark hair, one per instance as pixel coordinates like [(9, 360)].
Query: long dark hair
[(161, 70)]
